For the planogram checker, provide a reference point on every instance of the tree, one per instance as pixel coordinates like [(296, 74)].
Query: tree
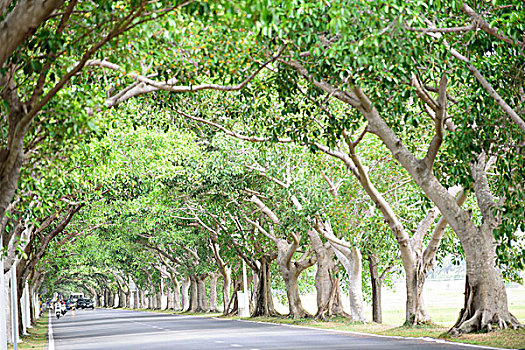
[(357, 73)]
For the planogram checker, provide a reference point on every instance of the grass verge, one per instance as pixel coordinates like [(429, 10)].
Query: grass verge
[(511, 339), (37, 338)]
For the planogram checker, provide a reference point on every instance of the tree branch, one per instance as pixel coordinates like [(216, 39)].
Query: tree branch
[(478, 20), (267, 211), (270, 234), (486, 85), (149, 85), (26, 16), (230, 132), (439, 230), (440, 115)]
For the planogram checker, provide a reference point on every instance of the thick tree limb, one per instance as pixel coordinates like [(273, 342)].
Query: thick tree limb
[(270, 234), (443, 30), (148, 85), (439, 230), (478, 20), (440, 115), (26, 16), (486, 201), (267, 211), (331, 186), (484, 83), (416, 241), (344, 96), (263, 173)]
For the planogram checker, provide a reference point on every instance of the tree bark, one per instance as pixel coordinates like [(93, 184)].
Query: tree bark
[(203, 305), (377, 283), (327, 297), (21, 21), (263, 294), (213, 292), (226, 289), (185, 299), (290, 272), (194, 302)]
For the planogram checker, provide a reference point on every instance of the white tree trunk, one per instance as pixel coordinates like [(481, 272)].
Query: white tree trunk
[(203, 305), (352, 262), (185, 298), (213, 292)]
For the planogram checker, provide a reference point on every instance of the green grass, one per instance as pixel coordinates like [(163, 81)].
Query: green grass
[(37, 338), (444, 318), (512, 339)]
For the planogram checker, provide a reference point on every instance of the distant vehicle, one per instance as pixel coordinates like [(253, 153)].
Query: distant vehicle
[(71, 304), (89, 304), (76, 296), (85, 304)]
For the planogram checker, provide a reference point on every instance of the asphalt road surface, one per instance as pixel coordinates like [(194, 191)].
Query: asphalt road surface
[(132, 330)]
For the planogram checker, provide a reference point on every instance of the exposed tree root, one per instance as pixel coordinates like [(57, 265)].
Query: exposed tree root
[(482, 315), (483, 320)]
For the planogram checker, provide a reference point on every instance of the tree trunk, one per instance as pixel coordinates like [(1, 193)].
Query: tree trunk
[(152, 299), (213, 292), (352, 263), (201, 294), (226, 289), (263, 294), (171, 299), (110, 298), (485, 294), (375, 279), (143, 300), (121, 298), (327, 291), (128, 299), (415, 307), (290, 277), (233, 306), (185, 299), (175, 294), (176, 298), (194, 302), (486, 301)]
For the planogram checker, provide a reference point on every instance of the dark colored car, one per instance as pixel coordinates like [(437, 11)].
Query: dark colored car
[(85, 304), (89, 304)]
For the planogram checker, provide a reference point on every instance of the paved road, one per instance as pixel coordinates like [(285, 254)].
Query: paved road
[(132, 330)]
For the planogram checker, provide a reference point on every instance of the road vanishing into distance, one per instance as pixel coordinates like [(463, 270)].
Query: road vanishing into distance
[(133, 330)]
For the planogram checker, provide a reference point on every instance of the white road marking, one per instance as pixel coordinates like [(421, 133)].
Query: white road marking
[(219, 341), (236, 345), (51, 341)]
